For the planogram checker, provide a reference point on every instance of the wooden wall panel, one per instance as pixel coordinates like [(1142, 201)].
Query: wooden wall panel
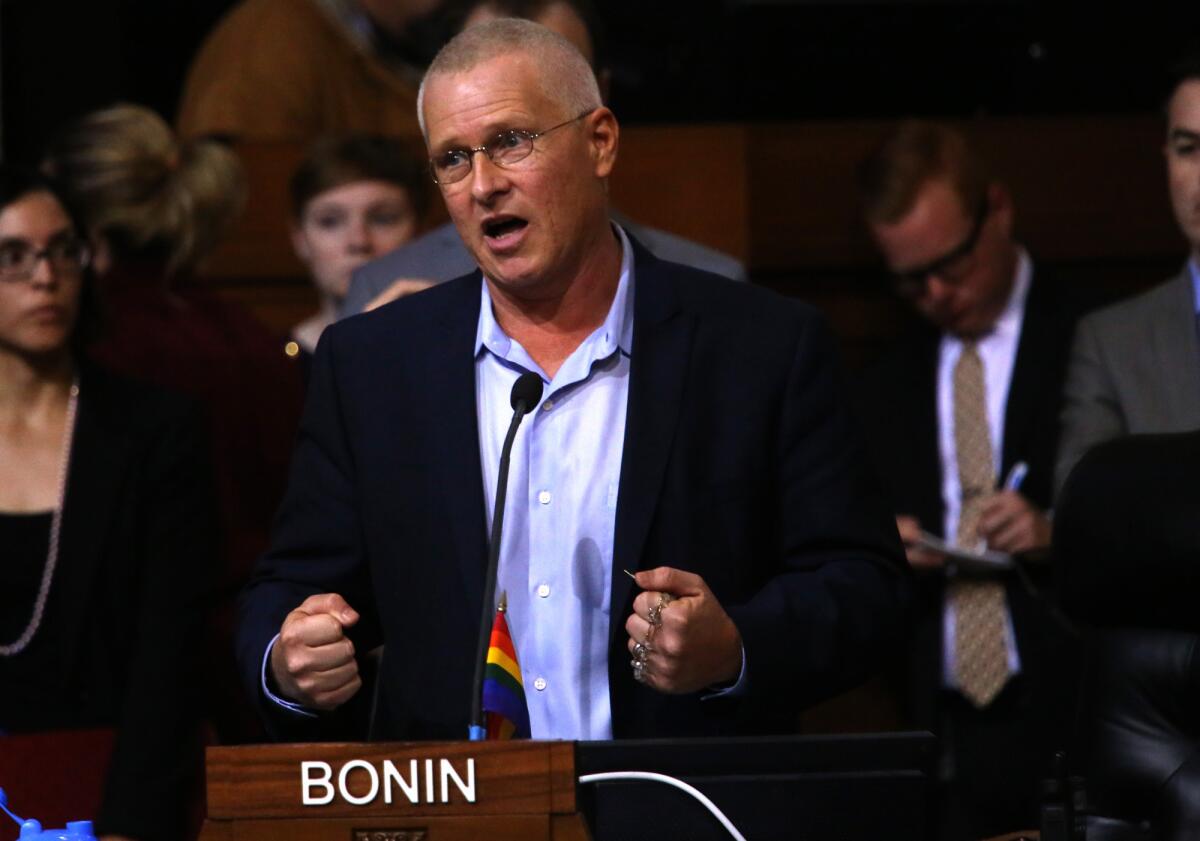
[(689, 180), (1083, 188), (1089, 192)]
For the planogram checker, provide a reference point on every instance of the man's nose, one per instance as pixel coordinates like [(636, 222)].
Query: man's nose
[(487, 178), (935, 293), (937, 289)]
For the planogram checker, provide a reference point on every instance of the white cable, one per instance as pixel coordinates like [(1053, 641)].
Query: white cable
[(671, 781)]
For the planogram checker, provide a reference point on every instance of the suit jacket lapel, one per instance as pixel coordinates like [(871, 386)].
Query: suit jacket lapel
[(662, 337), (455, 428), (99, 460), (924, 431), (1178, 350), (1027, 390)]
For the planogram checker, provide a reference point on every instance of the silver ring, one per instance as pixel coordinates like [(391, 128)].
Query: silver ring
[(655, 615), (638, 670), (640, 652)]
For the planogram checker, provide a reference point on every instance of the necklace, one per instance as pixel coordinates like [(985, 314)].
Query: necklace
[(39, 605)]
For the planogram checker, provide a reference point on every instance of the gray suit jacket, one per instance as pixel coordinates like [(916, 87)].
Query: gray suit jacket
[(1134, 368), (440, 256)]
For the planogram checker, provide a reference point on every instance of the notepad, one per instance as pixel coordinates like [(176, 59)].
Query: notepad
[(986, 560)]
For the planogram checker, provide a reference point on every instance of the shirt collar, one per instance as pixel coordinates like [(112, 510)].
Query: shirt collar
[(1194, 268), (1009, 322), (616, 331)]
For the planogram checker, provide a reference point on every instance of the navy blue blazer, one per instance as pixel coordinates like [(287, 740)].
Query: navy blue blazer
[(740, 464)]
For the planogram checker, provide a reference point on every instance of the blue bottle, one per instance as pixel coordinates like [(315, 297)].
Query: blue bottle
[(31, 830)]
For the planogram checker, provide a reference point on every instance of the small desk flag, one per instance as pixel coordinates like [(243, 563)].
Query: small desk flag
[(503, 692)]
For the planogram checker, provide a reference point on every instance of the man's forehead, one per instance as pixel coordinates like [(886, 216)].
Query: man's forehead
[(937, 201), (933, 223), (492, 94)]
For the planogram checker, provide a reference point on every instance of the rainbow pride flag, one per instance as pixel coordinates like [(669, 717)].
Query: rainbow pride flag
[(503, 692)]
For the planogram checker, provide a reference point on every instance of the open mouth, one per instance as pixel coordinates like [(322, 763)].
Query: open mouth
[(502, 226)]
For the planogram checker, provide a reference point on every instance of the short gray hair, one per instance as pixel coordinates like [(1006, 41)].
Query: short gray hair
[(564, 74)]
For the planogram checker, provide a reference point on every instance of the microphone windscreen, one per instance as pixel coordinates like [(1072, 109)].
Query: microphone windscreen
[(528, 390)]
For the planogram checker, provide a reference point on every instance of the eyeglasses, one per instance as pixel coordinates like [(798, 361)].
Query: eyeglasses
[(949, 266), (19, 259), (504, 150)]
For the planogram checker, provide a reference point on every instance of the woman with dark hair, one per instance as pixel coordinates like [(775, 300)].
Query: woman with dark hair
[(105, 524)]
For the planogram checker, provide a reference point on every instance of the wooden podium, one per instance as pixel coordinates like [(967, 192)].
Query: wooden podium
[(418, 791)]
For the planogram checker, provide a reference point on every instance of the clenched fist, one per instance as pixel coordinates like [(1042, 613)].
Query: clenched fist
[(313, 661), (689, 642)]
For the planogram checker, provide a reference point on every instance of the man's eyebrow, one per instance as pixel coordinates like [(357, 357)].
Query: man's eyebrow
[(1178, 133), (490, 133)]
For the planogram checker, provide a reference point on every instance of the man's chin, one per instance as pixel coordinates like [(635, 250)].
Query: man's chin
[(511, 278), (962, 327)]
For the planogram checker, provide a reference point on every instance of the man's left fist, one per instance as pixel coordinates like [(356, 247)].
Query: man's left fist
[(683, 638)]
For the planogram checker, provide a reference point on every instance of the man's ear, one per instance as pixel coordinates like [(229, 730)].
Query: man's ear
[(603, 135)]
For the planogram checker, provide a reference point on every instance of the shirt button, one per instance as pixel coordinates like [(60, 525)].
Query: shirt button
[(544, 497), (548, 405), (543, 590), (539, 684)]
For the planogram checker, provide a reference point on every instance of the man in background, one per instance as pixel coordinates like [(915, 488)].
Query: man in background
[(1135, 366), (963, 419)]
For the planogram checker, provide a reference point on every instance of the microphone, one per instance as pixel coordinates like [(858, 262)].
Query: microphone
[(526, 393)]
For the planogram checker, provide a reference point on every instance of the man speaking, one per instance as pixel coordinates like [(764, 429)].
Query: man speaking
[(690, 430)]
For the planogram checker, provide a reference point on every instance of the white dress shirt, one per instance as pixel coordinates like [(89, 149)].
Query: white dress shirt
[(998, 352)]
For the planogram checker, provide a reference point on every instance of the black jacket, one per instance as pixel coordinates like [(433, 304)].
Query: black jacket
[(135, 553), (739, 464)]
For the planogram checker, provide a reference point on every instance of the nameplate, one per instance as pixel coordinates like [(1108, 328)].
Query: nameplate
[(360, 782), (406, 779)]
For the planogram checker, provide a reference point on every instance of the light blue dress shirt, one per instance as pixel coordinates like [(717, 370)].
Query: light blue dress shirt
[(1194, 268), (556, 550), (557, 544)]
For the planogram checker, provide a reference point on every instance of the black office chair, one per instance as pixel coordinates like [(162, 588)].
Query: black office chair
[(1127, 540)]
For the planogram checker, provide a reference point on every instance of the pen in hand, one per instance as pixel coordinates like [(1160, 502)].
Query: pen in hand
[(1016, 475)]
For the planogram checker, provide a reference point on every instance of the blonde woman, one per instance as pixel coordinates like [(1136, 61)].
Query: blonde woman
[(155, 207)]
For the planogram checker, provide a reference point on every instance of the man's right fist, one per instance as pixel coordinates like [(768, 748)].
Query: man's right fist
[(313, 660)]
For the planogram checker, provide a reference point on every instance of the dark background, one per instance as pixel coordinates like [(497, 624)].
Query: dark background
[(675, 61)]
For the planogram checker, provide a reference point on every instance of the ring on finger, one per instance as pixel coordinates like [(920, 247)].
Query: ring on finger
[(650, 629), (655, 616), (641, 651)]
